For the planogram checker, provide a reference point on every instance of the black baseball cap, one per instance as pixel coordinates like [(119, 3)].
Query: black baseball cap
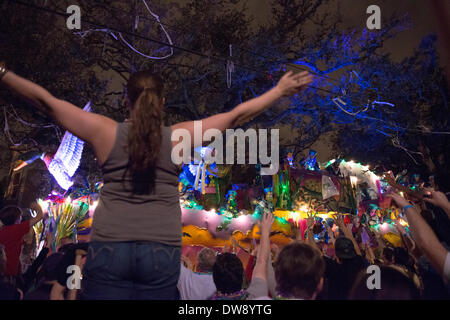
[(344, 248)]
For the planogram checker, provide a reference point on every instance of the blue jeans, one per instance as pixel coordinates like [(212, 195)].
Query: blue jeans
[(131, 271)]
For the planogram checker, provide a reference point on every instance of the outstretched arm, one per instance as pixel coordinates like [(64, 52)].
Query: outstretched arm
[(423, 235), (260, 270), (289, 84), (96, 129), (310, 235)]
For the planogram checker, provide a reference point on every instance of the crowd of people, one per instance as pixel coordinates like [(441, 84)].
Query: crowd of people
[(304, 269), (135, 246)]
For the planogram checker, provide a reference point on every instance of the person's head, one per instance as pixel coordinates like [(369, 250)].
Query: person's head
[(394, 284), (49, 269), (66, 240), (401, 257), (228, 273), (146, 101), (205, 260), (344, 249), (10, 215), (299, 271), (388, 255), (63, 248)]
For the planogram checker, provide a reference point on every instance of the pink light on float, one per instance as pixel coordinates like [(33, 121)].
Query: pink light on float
[(241, 219), (92, 208), (385, 226)]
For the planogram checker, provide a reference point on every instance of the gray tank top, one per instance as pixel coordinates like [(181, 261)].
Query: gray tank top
[(124, 216)]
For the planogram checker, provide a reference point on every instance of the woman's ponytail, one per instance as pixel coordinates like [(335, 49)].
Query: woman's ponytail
[(144, 136)]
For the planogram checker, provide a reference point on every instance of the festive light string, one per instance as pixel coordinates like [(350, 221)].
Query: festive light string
[(105, 28)]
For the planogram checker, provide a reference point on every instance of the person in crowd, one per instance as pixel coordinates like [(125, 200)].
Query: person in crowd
[(341, 272), (30, 276), (12, 234), (423, 235), (228, 276), (7, 290), (60, 288), (299, 269), (46, 278), (299, 272), (394, 284), (136, 236), (388, 256), (198, 284)]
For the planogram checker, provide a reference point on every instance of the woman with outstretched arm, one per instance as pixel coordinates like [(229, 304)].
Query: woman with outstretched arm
[(135, 244), (424, 236)]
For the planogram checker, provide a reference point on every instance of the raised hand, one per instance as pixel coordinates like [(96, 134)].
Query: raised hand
[(398, 199), (265, 226), (36, 207), (342, 226), (330, 233), (437, 198), (291, 83), (309, 220)]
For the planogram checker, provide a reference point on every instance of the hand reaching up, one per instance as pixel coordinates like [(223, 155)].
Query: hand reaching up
[(342, 226), (39, 213), (310, 220), (437, 198), (291, 83), (398, 199), (265, 226)]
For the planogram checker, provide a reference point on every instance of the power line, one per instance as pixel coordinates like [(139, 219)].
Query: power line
[(105, 27)]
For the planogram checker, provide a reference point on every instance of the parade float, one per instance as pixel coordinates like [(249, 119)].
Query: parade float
[(218, 213)]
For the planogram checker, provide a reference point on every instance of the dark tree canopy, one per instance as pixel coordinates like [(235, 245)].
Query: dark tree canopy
[(94, 63)]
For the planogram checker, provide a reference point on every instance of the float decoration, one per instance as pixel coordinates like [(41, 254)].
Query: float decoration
[(65, 162)]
